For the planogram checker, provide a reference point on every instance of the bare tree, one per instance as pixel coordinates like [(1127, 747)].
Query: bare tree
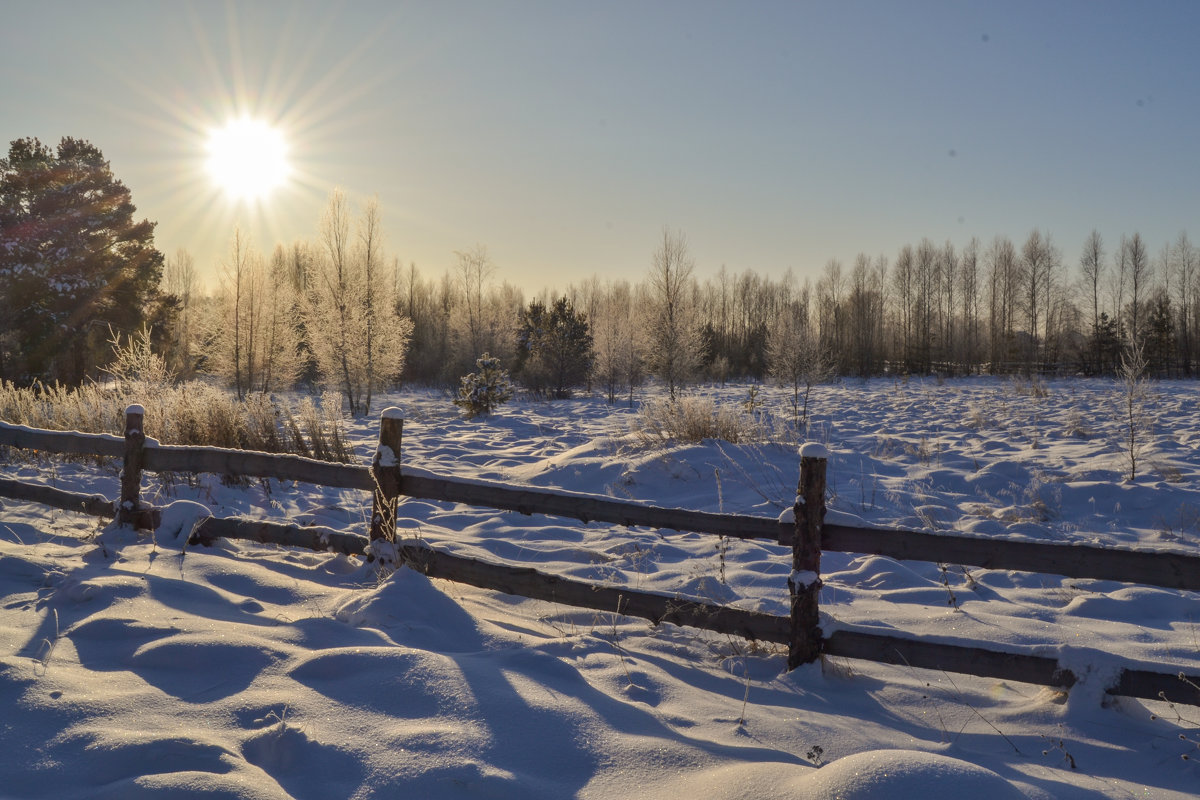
[(1185, 264), (830, 315), (1132, 411), (251, 337), (1003, 276), (615, 339), (179, 281), (1137, 260), (278, 330), (1091, 265), (1039, 259), (358, 339), (968, 278), (905, 292), (676, 343), (925, 265), (798, 358), (242, 271), (475, 269), (374, 284), (949, 344)]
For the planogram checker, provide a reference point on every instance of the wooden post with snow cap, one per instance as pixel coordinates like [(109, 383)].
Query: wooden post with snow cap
[(805, 581), (385, 471), (129, 506)]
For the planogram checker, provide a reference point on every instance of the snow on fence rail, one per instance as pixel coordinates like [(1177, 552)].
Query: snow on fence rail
[(807, 533)]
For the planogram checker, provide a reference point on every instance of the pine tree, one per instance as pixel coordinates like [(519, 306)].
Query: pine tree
[(554, 350), (73, 261)]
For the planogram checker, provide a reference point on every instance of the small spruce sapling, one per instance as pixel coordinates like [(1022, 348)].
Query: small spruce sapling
[(480, 393)]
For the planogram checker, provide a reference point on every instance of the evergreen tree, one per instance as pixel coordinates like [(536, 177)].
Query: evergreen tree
[(1160, 337), (554, 351), (1108, 337), (73, 261)]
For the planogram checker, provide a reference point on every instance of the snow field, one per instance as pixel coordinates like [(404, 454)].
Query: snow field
[(137, 666)]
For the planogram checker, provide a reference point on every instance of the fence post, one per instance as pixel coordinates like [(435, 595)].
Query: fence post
[(129, 506), (805, 581), (385, 470)]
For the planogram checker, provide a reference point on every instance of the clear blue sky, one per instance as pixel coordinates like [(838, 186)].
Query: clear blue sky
[(565, 135)]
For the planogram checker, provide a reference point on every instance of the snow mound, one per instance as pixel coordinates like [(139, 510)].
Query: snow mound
[(181, 518), (903, 775)]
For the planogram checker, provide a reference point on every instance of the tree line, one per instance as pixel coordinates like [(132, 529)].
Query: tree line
[(998, 307), (78, 273)]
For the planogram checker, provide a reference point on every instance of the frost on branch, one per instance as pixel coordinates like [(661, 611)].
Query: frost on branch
[(482, 392)]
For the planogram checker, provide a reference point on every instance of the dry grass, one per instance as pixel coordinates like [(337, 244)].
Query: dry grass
[(693, 419), (193, 413)]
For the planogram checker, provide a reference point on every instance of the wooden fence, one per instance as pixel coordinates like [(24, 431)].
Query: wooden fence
[(808, 536)]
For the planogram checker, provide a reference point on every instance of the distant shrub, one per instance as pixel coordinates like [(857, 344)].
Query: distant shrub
[(482, 392), (1032, 386)]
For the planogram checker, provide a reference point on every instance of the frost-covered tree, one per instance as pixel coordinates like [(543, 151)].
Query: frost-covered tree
[(615, 340), (475, 269), (1136, 259), (797, 358), (356, 335), (1132, 410), (1184, 265), (180, 284), (483, 391), (1038, 265), (675, 340), (252, 340), (483, 316), (73, 261), (1091, 268)]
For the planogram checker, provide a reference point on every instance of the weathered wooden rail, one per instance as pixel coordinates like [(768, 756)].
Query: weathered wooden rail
[(808, 536)]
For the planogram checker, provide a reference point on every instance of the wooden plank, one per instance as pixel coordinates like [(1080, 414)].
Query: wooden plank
[(585, 507), (68, 442), (424, 485), (312, 538), (91, 504), (224, 461), (528, 582), (1178, 687), (1167, 570), (522, 581), (977, 661)]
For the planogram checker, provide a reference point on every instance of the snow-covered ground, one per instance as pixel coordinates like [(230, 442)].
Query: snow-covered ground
[(135, 666)]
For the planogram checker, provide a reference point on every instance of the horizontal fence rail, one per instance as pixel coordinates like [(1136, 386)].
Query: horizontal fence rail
[(66, 442), (1163, 569), (1168, 570), (387, 480)]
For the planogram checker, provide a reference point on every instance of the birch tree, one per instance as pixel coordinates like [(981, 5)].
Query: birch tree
[(358, 339), (1091, 267), (673, 329)]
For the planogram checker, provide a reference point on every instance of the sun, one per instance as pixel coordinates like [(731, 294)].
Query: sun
[(247, 158)]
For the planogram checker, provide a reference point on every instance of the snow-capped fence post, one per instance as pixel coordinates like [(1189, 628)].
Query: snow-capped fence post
[(805, 581), (385, 473), (129, 506)]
